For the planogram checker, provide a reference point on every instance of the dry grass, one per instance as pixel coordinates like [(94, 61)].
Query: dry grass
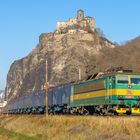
[(74, 127)]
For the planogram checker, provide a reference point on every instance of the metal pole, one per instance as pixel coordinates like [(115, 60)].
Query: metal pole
[(46, 87)]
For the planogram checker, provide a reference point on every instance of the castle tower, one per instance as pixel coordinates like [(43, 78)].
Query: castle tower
[(80, 15)]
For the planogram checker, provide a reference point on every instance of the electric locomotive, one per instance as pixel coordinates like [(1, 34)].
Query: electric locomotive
[(111, 93)]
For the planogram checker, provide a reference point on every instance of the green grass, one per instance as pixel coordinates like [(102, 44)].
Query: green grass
[(9, 134)]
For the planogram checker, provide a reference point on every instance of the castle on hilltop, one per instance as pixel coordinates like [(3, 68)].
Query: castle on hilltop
[(79, 24)]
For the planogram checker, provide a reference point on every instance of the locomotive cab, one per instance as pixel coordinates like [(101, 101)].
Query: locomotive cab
[(127, 93)]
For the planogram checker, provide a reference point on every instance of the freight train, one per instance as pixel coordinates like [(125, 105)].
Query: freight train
[(107, 94)]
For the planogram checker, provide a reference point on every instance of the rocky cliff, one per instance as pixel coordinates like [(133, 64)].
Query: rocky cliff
[(66, 54)]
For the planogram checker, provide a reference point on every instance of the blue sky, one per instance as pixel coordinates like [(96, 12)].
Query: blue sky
[(22, 21)]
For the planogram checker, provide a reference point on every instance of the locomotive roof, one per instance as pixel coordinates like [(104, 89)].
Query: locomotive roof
[(119, 73), (105, 75), (101, 77)]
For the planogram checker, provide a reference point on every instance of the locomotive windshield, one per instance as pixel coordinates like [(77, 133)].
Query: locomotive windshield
[(122, 79), (135, 80)]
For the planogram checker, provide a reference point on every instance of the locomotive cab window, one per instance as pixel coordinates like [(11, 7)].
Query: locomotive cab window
[(122, 79), (135, 80)]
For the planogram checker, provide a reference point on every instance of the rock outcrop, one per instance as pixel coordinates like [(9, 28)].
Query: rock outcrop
[(66, 54)]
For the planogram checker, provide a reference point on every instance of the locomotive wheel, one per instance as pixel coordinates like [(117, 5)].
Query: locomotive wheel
[(115, 113), (109, 112), (128, 113)]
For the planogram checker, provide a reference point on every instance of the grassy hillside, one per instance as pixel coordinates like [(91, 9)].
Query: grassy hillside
[(69, 128)]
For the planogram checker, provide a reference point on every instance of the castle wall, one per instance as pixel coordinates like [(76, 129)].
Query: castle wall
[(85, 23), (90, 21), (60, 25), (72, 21)]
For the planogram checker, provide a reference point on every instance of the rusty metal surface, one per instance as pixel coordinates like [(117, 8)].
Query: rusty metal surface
[(88, 87)]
